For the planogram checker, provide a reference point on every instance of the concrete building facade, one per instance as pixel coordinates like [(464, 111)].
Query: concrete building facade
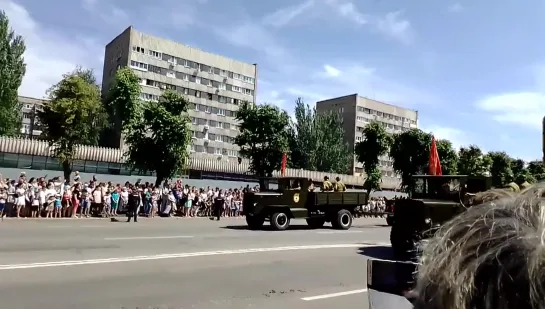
[(215, 85), (358, 111), (29, 107)]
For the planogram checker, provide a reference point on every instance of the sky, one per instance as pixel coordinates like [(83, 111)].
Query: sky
[(474, 70)]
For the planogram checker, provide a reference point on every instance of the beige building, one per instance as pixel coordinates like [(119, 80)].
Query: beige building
[(215, 85), (29, 107), (358, 111)]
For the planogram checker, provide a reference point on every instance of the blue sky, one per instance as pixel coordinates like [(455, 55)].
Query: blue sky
[(475, 70)]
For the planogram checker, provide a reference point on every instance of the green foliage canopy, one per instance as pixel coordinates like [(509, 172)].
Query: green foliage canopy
[(74, 115), (159, 137), (264, 137), (12, 71)]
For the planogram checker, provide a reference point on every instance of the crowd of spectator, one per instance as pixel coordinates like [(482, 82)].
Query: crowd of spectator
[(56, 198)]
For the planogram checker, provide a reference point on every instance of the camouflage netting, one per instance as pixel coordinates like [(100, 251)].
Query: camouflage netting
[(493, 194), (513, 186)]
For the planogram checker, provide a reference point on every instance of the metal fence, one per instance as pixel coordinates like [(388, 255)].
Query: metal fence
[(197, 161)]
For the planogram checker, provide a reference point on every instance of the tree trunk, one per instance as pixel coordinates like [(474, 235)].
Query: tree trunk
[(159, 180), (67, 170)]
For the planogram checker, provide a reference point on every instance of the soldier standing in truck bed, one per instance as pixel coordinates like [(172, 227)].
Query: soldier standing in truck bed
[(327, 186), (339, 185)]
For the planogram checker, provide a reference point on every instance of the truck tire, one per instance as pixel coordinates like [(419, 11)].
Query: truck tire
[(343, 220), (316, 223), (255, 222), (389, 220), (404, 242), (280, 221)]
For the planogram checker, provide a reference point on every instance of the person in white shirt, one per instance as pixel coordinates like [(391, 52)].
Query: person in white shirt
[(20, 199)]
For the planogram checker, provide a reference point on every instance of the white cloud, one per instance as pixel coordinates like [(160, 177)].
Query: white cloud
[(455, 8), (253, 36), (356, 78), (395, 26), (331, 71), (349, 11), (48, 54), (457, 137), (284, 16), (524, 109)]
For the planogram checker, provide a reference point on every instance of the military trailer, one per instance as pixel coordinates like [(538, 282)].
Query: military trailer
[(293, 200), (432, 201)]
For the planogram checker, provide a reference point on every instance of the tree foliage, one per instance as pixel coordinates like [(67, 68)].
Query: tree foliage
[(472, 161), (123, 99), (74, 115), (448, 157), (12, 71), (159, 137), (410, 153), (376, 143), (317, 141), (263, 138), (123, 104), (500, 168)]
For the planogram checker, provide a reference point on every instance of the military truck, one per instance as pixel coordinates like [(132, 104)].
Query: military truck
[(432, 201), (294, 199)]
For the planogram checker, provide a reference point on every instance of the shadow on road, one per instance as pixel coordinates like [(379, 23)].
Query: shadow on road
[(378, 252), (267, 227)]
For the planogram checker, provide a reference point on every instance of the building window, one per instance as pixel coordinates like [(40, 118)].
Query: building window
[(138, 49), (197, 80), (139, 65), (236, 89), (223, 73), (155, 54), (222, 86), (221, 111), (247, 92), (171, 74)]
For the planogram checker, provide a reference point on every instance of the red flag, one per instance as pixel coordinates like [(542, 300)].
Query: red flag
[(284, 162), (435, 163)]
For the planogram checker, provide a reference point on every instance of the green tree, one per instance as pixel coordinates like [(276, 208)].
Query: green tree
[(537, 169), (74, 115), (521, 173), (375, 144), (88, 75), (317, 141), (122, 104), (500, 168), (333, 152), (410, 153), (12, 71), (447, 156), (302, 137), (263, 138), (472, 161), (159, 137)]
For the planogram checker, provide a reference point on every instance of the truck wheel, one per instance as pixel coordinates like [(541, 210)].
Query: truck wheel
[(280, 221), (255, 223), (343, 220), (390, 220), (315, 223)]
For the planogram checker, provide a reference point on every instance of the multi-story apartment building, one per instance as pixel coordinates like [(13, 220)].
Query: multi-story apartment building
[(358, 111), (215, 85), (29, 107)]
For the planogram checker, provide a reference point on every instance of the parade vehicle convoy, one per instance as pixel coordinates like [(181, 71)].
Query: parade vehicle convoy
[(432, 201), (293, 200)]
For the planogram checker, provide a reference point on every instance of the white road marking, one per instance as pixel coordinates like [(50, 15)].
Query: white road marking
[(173, 256), (147, 237), (339, 232), (324, 296)]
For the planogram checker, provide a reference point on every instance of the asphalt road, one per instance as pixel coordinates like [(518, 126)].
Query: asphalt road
[(184, 263)]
